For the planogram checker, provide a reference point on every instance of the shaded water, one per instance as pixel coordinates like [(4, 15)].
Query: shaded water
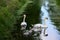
[(51, 30)]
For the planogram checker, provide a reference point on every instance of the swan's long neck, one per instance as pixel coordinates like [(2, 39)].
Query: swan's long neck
[(24, 18), (45, 22)]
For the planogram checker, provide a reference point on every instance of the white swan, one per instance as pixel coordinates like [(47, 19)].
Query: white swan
[(39, 27), (23, 24)]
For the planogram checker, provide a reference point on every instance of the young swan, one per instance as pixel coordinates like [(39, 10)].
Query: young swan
[(23, 24)]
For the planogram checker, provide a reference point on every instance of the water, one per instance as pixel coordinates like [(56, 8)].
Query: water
[(51, 30)]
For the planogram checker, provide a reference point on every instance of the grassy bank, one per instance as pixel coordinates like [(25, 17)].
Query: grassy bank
[(10, 17), (55, 12)]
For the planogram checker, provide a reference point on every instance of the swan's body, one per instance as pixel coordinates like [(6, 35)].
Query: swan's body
[(39, 27), (23, 24)]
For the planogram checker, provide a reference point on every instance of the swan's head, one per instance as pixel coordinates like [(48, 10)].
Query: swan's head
[(45, 19), (24, 15)]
